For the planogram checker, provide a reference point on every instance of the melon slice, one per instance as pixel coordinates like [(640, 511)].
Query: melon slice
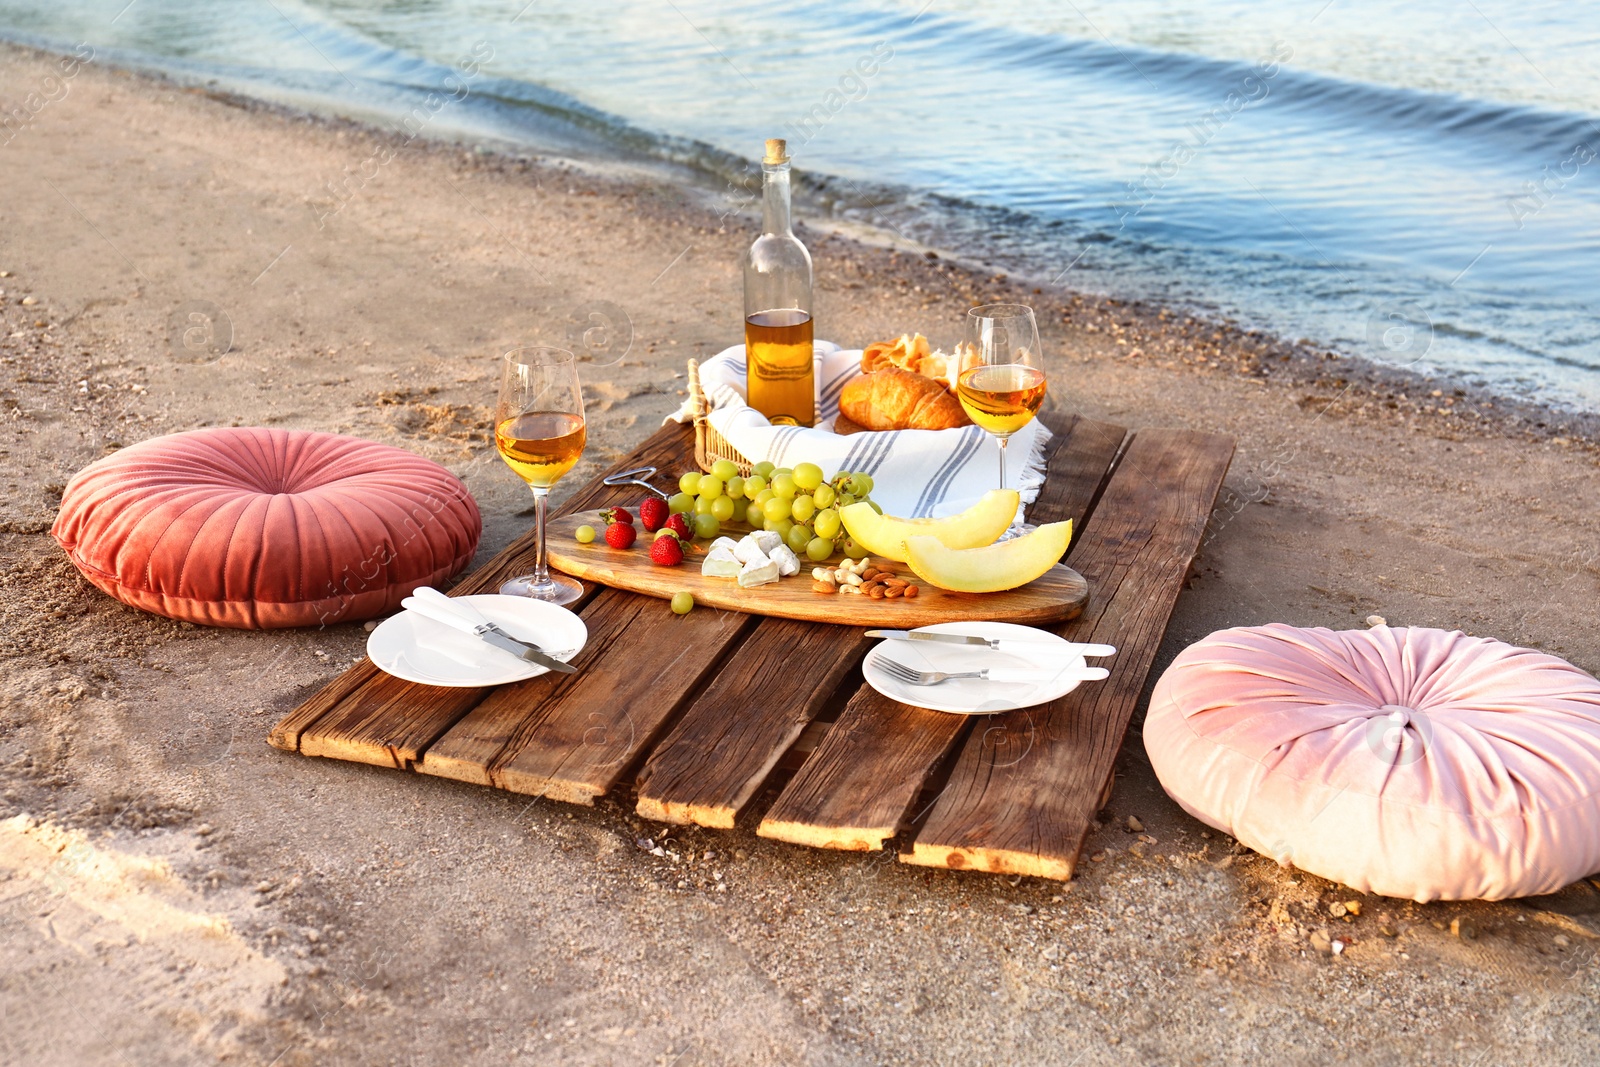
[(885, 536), (991, 568)]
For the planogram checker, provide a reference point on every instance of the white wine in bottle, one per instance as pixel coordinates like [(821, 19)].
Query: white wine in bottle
[(777, 306)]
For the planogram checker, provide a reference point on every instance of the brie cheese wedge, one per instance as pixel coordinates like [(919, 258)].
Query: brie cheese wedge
[(788, 563), (758, 573), (720, 563), (766, 540), (749, 551)]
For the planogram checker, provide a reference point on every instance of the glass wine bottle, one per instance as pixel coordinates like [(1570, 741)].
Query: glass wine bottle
[(777, 306)]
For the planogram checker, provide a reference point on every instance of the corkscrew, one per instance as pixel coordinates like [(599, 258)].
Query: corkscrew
[(637, 477)]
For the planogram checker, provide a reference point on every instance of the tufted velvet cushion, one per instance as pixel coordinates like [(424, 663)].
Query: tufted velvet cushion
[(261, 528), (1410, 762)]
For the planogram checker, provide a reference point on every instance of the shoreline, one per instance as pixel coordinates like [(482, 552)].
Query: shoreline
[(1356, 383), (547, 929)]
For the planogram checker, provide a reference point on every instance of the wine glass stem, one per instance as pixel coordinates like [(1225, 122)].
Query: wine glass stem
[(541, 569), (1003, 441)]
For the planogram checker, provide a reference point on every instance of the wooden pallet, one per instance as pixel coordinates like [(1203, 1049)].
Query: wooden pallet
[(680, 710)]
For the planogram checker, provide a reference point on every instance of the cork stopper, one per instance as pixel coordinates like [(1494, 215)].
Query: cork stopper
[(777, 151)]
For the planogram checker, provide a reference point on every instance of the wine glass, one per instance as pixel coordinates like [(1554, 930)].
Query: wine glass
[(999, 380), (540, 432)]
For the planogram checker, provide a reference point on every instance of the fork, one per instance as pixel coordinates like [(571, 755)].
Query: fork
[(900, 672)]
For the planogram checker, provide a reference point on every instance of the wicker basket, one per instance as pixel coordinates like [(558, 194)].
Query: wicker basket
[(709, 445)]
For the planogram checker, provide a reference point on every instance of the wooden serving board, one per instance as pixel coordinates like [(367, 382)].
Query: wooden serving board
[(1056, 597)]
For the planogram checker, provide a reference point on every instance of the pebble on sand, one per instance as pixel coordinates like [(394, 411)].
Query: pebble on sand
[(1377, 620), (1134, 825)]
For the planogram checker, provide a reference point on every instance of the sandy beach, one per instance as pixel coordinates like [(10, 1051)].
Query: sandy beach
[(173, 890)]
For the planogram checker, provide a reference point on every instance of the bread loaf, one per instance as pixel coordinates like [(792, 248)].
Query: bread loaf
[(895, 399)]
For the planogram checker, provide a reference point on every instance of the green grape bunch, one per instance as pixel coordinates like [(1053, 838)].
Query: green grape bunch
[(798, 503)]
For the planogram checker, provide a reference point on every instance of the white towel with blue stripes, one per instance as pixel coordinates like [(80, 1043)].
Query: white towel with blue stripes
[(915, 473)]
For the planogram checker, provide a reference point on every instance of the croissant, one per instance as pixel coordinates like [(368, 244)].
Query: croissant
[(936, 365), (895, 399), (906, 352)]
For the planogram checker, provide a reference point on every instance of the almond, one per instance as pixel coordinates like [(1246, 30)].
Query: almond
[(823, 587), (874, 591), (890, 592), (911, 591)]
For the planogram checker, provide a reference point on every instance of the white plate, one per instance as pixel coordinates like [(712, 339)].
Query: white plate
[(420, 650), (974, 696)]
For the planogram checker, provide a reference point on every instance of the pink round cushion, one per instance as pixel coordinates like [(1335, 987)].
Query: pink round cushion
[(1409, 762), (262, 528)]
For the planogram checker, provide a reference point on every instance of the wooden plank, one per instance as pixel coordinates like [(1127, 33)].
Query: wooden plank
[(1026, 808), (517, 716), (286, 734), (857, 788), (387, 722), (1080, 462), (369, 717), (804, 745), (707, 768), (467, 751), (648, 664), (1057, 595)]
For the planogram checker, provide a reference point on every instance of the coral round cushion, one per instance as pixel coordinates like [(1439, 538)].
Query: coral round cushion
[(1409, 762), (261, 528)]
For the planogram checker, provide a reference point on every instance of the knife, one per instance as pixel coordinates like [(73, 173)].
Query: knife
[(450, 615), (989, 642)]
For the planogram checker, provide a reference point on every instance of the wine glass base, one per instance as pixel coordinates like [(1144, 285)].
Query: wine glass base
[(559, 589)]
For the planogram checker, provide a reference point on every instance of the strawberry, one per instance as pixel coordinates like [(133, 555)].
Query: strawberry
[(653, 513), (621, 535), (667, 550), (613, 515), (679, 525)]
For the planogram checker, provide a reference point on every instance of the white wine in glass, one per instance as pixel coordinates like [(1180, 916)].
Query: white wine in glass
[(540, 432), (999, 380)]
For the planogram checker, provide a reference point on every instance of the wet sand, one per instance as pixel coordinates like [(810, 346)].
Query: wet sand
[(173, 890)]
